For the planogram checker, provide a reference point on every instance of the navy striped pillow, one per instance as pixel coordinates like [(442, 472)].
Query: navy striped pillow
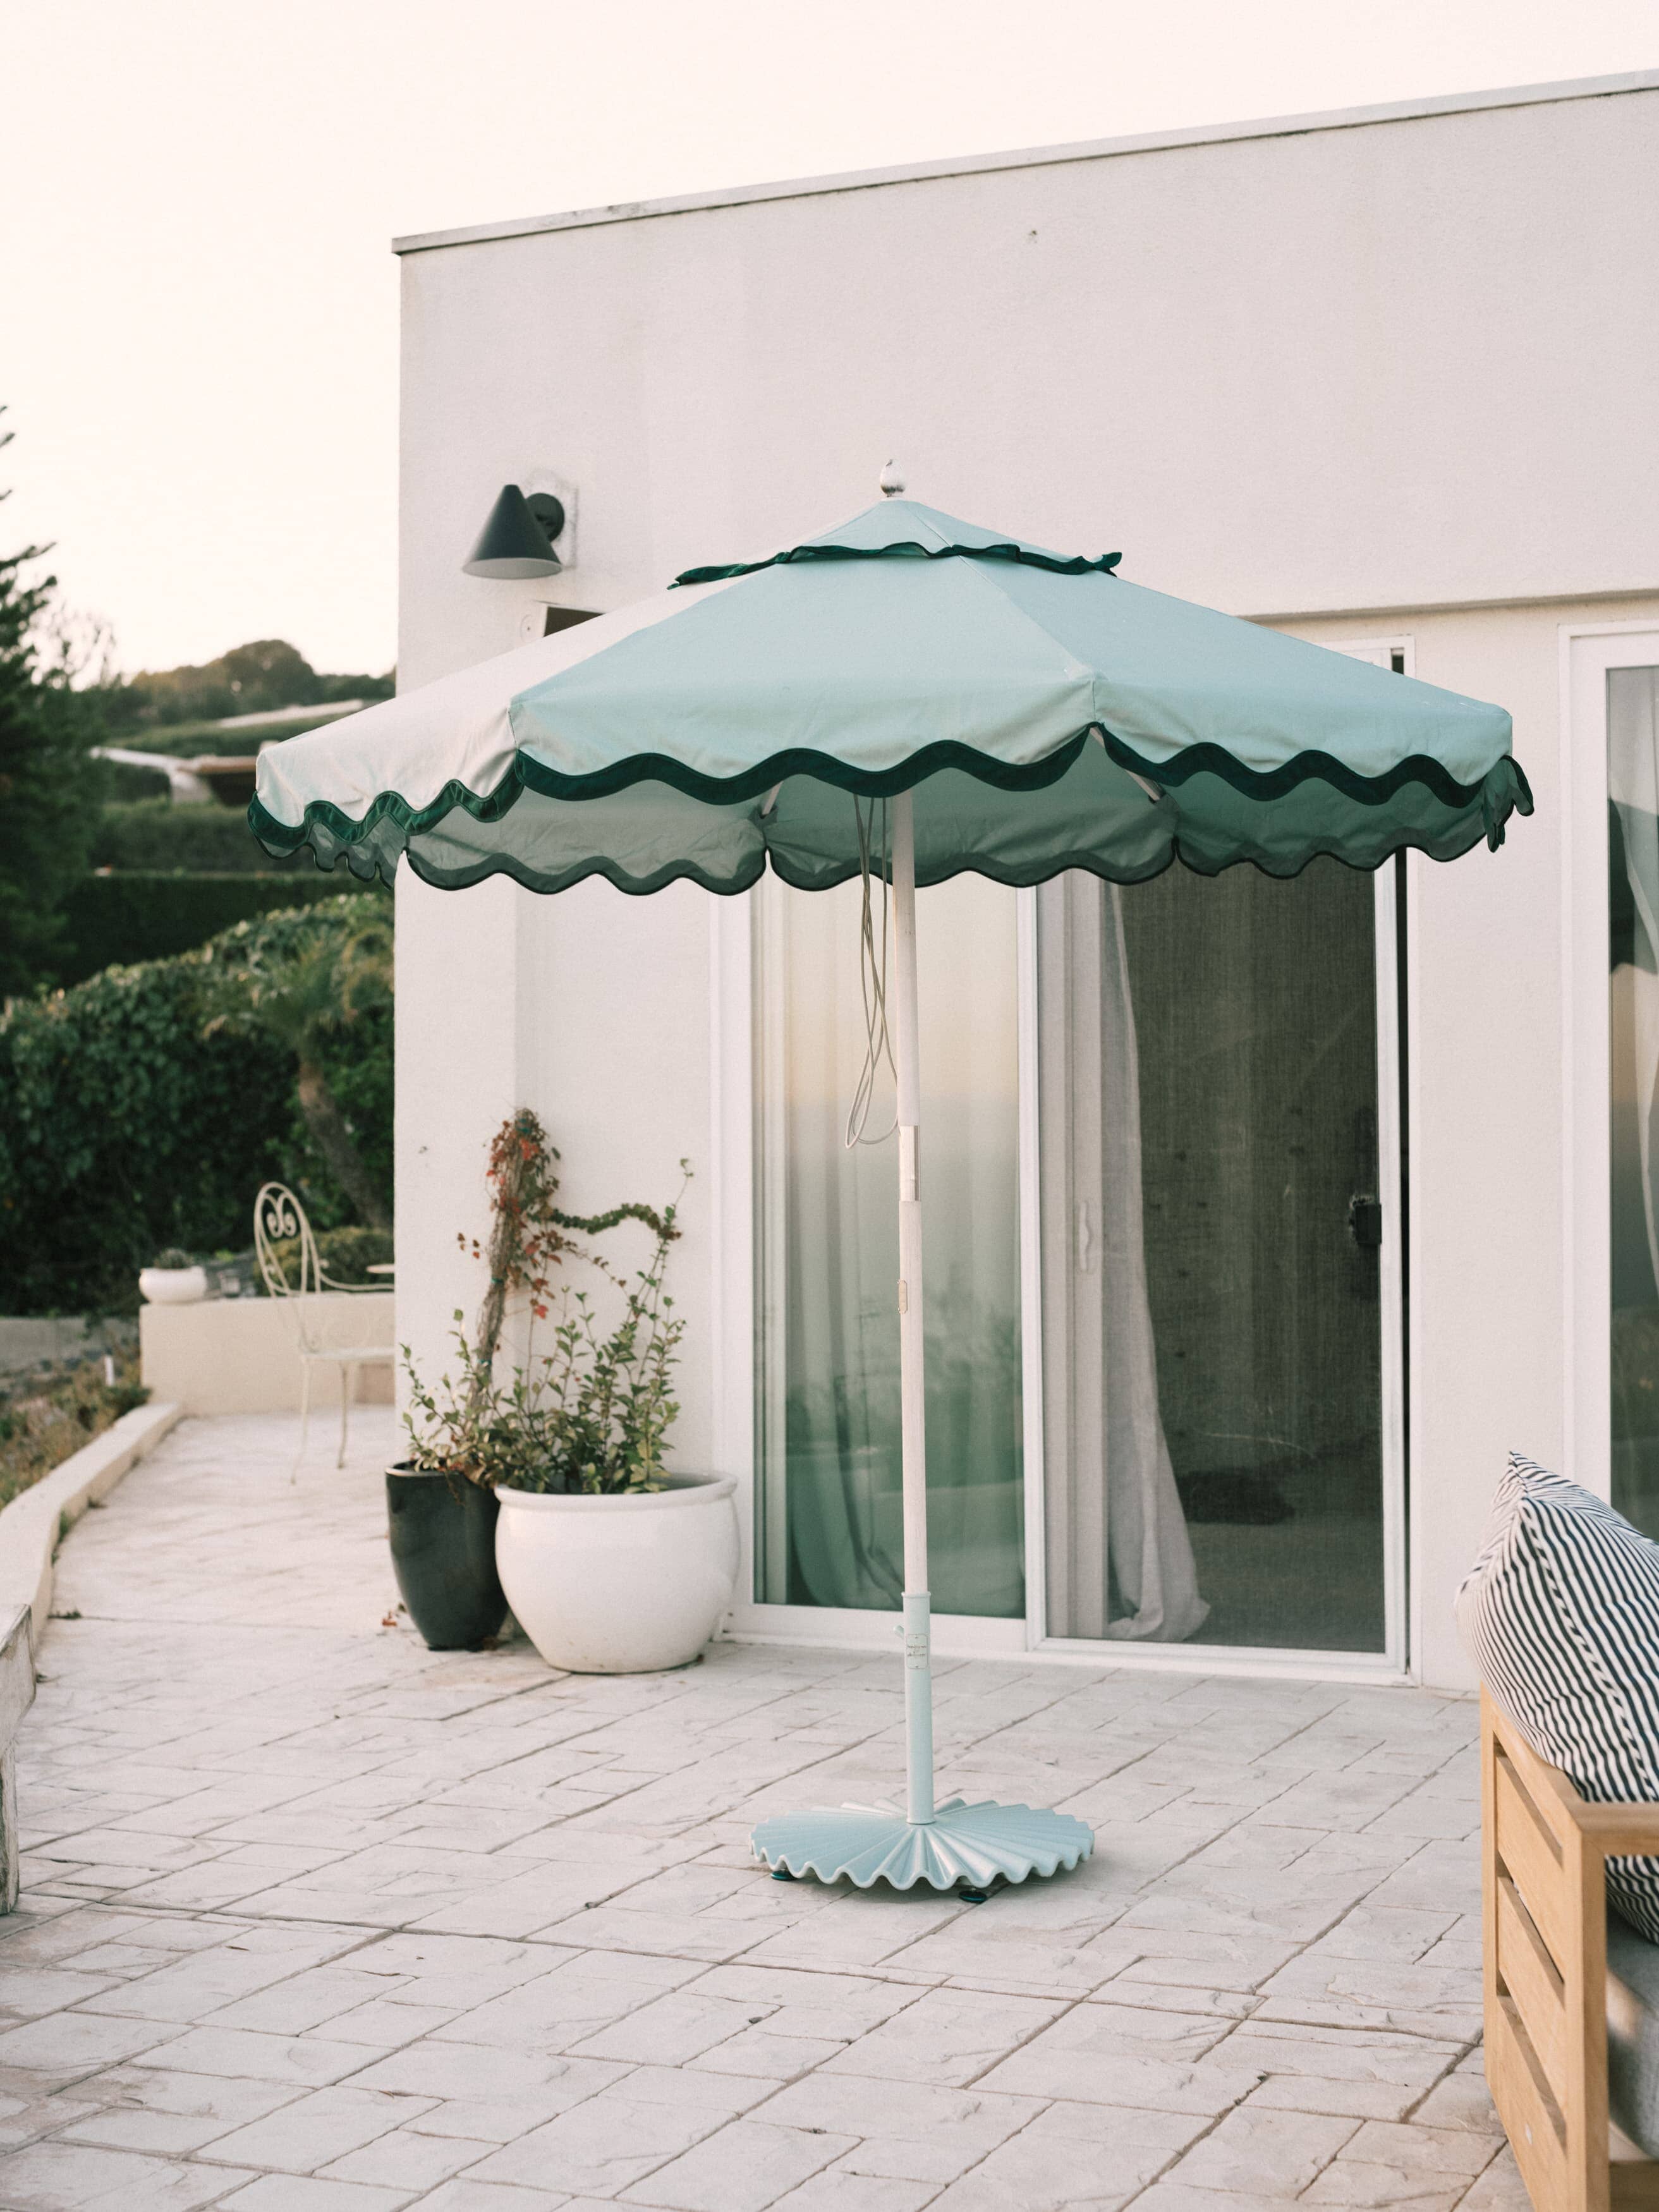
[(1560, 1615)]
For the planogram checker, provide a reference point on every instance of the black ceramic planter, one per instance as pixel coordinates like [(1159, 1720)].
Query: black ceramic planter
[(443, 1553)]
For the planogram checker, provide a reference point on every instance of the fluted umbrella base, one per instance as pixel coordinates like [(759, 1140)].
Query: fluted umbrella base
[(963, 1845)]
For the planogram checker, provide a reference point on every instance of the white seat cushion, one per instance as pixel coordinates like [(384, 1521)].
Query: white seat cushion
[(1560, 1614)]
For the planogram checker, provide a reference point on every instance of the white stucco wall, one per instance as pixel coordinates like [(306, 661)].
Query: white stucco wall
[(1406, 366)]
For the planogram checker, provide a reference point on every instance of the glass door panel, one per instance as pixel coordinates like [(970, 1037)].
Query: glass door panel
[(1212, 1266), (829, 1524), (1632, 708)]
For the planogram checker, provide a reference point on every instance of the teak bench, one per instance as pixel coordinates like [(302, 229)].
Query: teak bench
[(1545, 1953)]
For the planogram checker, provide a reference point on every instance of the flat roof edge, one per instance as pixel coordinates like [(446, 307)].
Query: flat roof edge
[(1156, 141)]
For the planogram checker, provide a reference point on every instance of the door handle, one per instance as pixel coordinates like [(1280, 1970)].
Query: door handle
[(1365, 1222)]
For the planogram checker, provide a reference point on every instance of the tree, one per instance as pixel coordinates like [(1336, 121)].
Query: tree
[(48, 784), (303, 996), (250, 679)]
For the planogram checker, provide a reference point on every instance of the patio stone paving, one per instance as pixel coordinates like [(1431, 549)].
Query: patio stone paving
[(315, 1920)]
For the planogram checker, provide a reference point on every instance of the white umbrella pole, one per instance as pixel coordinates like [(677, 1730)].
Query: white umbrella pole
[(953, 1845), (918, 1662)]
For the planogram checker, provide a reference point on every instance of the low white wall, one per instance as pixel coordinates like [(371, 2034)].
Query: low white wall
[(32, 1525), (241, 1355)]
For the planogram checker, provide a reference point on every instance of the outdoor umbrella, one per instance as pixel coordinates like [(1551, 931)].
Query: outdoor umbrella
[(1021, 712)]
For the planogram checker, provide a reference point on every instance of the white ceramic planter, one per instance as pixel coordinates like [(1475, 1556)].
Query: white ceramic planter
[(620, 1585), (173, 1287)]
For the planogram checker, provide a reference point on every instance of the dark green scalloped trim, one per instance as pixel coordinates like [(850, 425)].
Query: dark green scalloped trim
[(525, 773), (1503, 789), (909, 548), (1504, 786), (530, 879)]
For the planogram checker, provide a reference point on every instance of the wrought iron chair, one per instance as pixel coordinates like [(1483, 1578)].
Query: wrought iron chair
[(279, 1220)]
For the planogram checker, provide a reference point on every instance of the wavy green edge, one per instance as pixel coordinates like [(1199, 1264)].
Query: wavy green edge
[(909, 548), (1261, 784), (1502, 791)]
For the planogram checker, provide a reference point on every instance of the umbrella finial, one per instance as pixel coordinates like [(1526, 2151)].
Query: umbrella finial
[(892, 483)]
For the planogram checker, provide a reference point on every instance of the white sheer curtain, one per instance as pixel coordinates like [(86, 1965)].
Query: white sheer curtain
[(1119, 1562), (832, 1506), (1633, 788)]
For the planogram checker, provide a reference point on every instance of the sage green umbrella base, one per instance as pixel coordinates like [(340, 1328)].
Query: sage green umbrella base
[(1046, 715)]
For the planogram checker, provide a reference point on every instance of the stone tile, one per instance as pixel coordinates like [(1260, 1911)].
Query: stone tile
[(835, 2008), (405, 2159), (75, 2042), (745, 2167), (51, 2176), (466, 2195), (308, 2133), (288, 2192), (912, 2131), (1385, 2164), (614, 2139), (487, 2094), (1435, 2001), (309, 2061), (196, 1987), (1071, 2156), (947, 2036), (147, 2109), (837, 2190), (667, 2031), (1261, 2152), (1500, 2189), (1274, 2048), (1460, 2100), (27, 1992), (1127, 2055), (581, 1995)]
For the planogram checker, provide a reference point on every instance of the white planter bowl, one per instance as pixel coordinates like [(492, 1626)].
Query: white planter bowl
[(620, 1585), (173, 1287)]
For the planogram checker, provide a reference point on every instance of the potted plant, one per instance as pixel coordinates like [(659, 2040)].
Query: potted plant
[(440, 1507), (612, 1564), (588, 1417), (174, 1279)]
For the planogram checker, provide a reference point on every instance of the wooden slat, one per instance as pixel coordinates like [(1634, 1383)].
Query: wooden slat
[(1530, 2116), (1635, 2185), (1557, 1803), (1532, 1861), (1528, 1977), (1622, 1829)]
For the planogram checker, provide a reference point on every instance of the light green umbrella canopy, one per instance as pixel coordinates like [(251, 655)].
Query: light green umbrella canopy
[(1046, 714)]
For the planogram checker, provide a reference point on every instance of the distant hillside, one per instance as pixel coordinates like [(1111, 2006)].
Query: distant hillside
[(251, 680)]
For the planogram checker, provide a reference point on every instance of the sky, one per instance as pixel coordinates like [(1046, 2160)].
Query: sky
[(198, 306)]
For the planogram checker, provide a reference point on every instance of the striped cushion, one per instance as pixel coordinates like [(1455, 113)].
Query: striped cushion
[(1560, 1615)]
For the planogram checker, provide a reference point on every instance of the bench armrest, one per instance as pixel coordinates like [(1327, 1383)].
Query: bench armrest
[(1615, 1831)]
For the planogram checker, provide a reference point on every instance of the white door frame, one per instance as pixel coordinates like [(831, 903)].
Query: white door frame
[(735, 1269), (1588, 652)]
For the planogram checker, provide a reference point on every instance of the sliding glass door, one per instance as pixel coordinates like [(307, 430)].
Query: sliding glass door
[(1213, 1249), (1161, 1174)]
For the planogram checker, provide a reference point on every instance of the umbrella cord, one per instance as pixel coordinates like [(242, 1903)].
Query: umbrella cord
[(875, 864)]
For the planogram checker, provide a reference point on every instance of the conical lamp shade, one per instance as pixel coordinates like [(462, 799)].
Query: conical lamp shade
[(513, 544)]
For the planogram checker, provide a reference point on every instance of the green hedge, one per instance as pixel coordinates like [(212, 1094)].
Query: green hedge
[(123, 1129), (157, 838), (117, 919)]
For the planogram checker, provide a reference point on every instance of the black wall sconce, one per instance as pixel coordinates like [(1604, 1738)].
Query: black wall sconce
[(517, 541)]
